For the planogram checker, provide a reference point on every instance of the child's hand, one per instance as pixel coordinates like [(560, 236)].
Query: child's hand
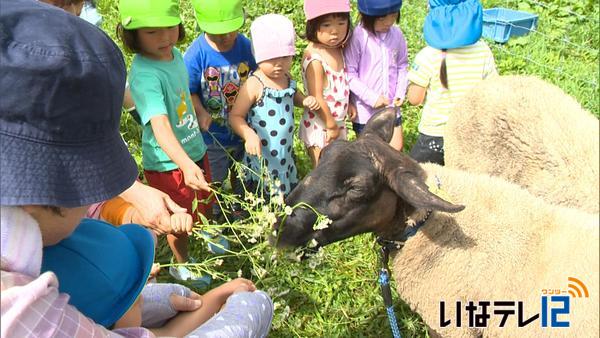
[(381, 102), (252, 144), (237, 285), (181, 223), (332, 133), (311, 103), (194, 177), (204, 121), (398, 102), (352, 112)]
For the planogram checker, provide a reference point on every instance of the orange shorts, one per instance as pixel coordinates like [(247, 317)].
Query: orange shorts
[(172, 183)]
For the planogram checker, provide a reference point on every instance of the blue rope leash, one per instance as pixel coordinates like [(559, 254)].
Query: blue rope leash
[(384, 274), (384, 282)]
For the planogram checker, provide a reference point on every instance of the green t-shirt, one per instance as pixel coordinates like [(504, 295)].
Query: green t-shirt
[(162, 88)]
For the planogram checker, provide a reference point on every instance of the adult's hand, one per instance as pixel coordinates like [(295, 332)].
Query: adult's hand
[(153, 205), (162, 301)]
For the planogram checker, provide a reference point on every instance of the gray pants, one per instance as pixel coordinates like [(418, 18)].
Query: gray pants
[(220, 165), (245, 315)]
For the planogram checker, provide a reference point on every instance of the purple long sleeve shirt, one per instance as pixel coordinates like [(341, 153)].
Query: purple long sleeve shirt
[(377, 65)]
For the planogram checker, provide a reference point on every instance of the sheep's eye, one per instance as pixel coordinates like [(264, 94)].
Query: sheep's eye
[(356, 193)]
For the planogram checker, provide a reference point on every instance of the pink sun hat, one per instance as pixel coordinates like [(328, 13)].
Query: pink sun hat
[(316, 8), (272, 36)]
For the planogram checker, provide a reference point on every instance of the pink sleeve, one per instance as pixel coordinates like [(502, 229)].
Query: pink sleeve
[(94, 210), (352, 55), (35, 308), (402, 79)]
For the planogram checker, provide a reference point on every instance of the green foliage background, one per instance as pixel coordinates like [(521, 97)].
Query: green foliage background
[(338, 296)]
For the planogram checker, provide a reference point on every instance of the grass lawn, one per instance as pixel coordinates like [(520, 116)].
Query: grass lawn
[(335, 293)]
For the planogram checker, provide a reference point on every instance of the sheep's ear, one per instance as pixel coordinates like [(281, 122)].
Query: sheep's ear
[(415, 192), (406, 177), (381, 125)]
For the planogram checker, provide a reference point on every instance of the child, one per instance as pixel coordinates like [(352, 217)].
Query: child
[(269, 95), (454, 61), (377, 62), (61, 151), (71, 6), (105, 257), (173, 153), (219, 61), (324, 72)]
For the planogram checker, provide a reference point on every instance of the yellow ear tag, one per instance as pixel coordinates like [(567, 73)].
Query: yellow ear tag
[(441, 193), (127, 21)]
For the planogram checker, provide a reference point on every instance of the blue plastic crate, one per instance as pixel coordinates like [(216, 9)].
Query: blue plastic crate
[(499, 24)]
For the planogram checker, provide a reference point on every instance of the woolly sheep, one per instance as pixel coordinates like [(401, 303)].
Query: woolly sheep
[(505, 245), (528, 132)]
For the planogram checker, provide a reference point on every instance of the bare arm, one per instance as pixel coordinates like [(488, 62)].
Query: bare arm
[(193, 176), (247, 96), (416, 94), (314, 86), (212, 301), (310, 102), (204, 118)]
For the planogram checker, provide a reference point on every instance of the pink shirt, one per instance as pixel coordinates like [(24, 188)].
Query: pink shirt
[(31, 303), (377, 65)]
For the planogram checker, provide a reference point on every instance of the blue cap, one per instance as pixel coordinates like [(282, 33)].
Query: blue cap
[(102, 268), (379, 7), (453, 23), (61, 88)]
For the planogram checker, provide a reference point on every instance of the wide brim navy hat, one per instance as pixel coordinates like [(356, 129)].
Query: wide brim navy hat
[(62, 88), (453, 23), (379, 7), (102, 268)]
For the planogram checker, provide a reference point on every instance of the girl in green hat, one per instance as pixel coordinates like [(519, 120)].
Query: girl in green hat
[(174, 154)]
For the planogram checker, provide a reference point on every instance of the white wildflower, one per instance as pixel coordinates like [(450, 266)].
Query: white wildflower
[(288, 210), (313, 243), (218, 262), (259, 272), (239, 273), (323, 223), (294, 256), (285, 312), (278, 199), (271, 219), (252, 240)]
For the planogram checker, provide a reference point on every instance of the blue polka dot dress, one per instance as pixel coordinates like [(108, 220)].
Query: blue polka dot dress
[(272, 118)]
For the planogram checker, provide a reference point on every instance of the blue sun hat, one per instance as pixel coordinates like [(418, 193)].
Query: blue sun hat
[(379, 7), (61, 88), (453, 23), (102, 268)]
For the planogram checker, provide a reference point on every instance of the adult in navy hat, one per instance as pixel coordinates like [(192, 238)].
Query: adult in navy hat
[(60, 150), (454, 60), (377, 61)]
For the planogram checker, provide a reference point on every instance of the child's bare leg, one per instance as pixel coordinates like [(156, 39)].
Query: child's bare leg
[(314, 153), (397, 138), (179, 245)]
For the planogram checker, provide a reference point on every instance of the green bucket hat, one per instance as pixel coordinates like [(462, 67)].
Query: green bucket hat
[(219, 16), (149, 13)]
